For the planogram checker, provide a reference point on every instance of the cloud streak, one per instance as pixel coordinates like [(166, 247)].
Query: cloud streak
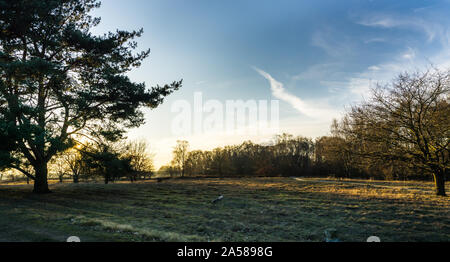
[(431, 30), (304, 107), (332, 43)]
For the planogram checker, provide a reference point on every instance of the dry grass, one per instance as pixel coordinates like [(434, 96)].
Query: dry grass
[(254, 209)]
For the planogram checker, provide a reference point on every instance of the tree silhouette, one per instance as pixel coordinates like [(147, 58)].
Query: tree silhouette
[(180, 155), (407, 121)]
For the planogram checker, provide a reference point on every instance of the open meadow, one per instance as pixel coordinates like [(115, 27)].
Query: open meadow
[(253, 209)]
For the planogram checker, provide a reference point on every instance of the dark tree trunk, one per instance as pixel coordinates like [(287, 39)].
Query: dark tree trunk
[(439, 180), (40, 183), (75, 178)]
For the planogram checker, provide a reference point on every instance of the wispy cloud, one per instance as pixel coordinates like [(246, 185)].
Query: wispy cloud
[(431, 30), (410, 54), (360, 83), (320, 71), (310, 109), (332, 43), (413, 57), (360, 86), (375, 40)]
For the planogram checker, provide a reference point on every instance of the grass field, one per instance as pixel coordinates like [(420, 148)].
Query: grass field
[(253, 209)]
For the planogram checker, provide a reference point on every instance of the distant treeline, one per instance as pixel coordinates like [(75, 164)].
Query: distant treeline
[(286, 155)]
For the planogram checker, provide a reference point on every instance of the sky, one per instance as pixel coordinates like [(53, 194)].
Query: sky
[(316, 58)]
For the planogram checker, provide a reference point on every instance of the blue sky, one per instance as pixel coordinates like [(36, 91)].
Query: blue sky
[(325, 54)]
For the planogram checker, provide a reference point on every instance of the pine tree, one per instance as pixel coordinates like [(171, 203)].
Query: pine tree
[(57, 80)]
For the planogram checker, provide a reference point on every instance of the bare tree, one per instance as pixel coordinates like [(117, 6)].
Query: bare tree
[(59, 167), (406, 121), (180, 153), (74, 162), (141, 159)]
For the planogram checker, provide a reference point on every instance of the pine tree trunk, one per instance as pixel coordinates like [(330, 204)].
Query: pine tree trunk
[(40, 183), (439, 180)]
